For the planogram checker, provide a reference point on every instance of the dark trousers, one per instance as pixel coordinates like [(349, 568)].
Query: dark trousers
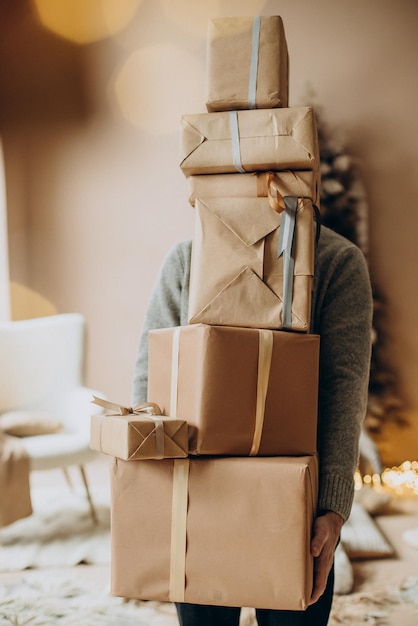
[(315, 615)]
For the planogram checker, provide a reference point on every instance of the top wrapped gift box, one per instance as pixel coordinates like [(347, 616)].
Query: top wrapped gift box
[(249, 141), (247, 63)]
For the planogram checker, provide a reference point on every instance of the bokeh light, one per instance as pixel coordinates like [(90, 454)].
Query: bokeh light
[(85, 21), (153, 88)]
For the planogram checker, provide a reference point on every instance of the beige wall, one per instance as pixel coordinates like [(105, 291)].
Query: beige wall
[(95, 201)]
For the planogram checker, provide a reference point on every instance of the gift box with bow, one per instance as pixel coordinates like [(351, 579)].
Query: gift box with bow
[(251, 265), (138, 432), (242, 391), (302, 184)]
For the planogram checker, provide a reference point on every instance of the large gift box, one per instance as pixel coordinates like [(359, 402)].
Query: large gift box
[(303, 184), (247, 63), (220, 531), (138, 432), (252, 266), (249, 141), (243, 391)]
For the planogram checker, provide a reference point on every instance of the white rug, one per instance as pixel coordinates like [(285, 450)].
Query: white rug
[(384, 607), (45, 600), (40, 600), (60, 532)]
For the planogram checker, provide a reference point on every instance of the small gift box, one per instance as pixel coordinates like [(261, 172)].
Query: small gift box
[(247, 63), (138, 432), (249, 141), (219, 531)]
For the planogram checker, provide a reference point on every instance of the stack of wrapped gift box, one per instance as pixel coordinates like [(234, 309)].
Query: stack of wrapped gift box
[(229, 522)]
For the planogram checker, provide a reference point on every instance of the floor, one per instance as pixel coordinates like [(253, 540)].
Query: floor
[(369, 574), (401, 516), (97, 474)]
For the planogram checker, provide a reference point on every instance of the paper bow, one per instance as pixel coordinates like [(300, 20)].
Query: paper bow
[(148, 409), (276, 200), (143, 407)]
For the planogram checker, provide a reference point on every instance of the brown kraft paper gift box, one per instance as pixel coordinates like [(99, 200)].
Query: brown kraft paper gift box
[(132, 437), (247, 63), (242, 391), (220, 531), (289, 183), (249, 141), (237, 277)]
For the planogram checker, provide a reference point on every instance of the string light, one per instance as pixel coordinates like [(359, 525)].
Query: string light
[(401, 480)]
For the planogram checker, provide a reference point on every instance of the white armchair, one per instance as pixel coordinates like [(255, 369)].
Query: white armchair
[(42, 372)]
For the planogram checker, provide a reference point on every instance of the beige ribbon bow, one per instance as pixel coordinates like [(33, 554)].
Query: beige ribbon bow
[(274, 196), (147, 409)]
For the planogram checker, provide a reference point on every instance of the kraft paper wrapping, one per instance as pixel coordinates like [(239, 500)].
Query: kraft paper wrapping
[(246, 68), (249, 141), (130, 435), (209, 376), (236, 277), (243, 525), (291, 183)]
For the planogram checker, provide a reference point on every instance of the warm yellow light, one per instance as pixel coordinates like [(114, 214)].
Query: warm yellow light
[(156, 85), (403, 480), (85, 21), (358, 481), (376, 480)]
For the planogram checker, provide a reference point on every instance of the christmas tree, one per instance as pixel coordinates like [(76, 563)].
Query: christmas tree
[(344, 209)]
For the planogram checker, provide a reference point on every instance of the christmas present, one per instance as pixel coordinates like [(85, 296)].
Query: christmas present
[(251, 265), (138, 432), (302, 183), (242, 391), (249, 141), (218, 531), (247, 63)]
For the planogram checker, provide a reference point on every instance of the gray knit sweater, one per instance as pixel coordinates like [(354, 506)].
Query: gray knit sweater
[(341, 315)]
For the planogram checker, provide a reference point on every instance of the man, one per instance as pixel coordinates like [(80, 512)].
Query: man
[(342, 316)]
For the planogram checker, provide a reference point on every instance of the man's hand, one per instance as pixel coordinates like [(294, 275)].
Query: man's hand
[(326, 533)]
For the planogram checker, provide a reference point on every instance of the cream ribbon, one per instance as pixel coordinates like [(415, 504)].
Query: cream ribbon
[(148, 410), (175, 350), (265, 351), (179, 530)]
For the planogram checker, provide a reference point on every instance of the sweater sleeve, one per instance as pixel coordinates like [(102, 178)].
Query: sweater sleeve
[(343, 318), (167, 307)]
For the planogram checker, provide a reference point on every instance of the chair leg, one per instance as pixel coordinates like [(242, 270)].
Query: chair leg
[(88, 494), (68, 478)]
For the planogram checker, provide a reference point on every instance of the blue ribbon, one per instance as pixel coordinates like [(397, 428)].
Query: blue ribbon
[(286, 248), (252, 86), (236, 150)]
